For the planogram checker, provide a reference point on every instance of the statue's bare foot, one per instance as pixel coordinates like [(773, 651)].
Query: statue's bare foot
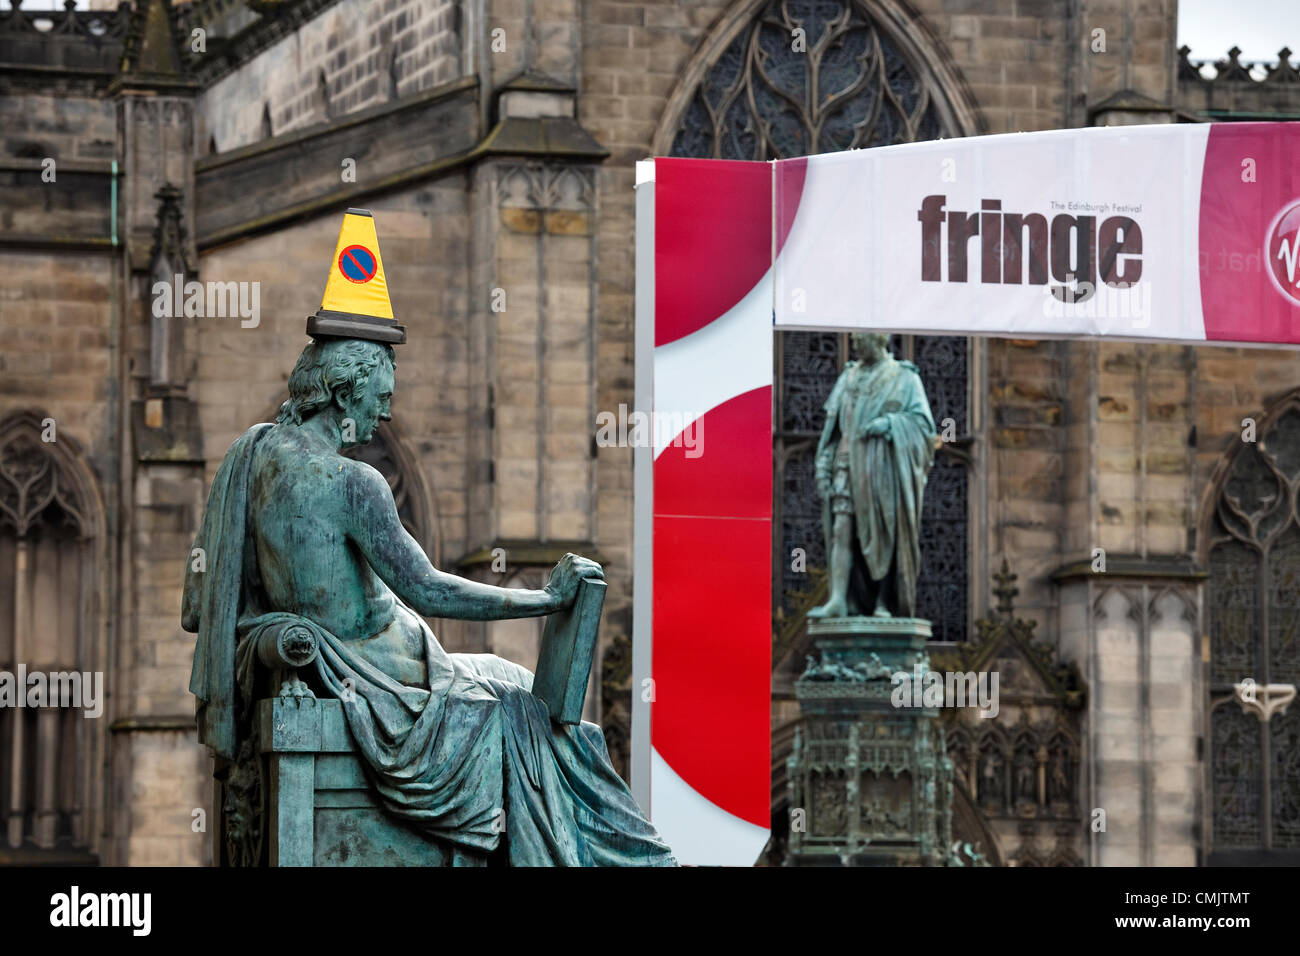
[(291, 688), (832, 608)]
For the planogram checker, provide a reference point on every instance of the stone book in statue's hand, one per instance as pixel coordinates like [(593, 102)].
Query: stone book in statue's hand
[(568, 646)]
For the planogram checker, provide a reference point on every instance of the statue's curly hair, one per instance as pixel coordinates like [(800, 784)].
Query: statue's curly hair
[(326, 366), (863, 336)]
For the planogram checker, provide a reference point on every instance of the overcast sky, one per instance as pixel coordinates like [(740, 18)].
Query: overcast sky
[(1259, 27)]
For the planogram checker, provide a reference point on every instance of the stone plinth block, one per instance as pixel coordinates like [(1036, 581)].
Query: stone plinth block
[(859, 656)]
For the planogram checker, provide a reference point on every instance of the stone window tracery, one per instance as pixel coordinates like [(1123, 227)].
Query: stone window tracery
[(1253, 602), (46, 752)]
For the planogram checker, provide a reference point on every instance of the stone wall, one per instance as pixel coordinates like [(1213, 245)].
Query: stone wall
[(55, 326), (1233, 384), (62, 127), (1027, 388), (367, 53)]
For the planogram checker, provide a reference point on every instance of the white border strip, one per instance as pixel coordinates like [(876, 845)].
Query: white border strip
[(643, 485)]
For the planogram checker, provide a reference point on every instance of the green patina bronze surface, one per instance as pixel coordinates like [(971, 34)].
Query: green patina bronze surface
[(871, 781), (305, 559), (872, 462)]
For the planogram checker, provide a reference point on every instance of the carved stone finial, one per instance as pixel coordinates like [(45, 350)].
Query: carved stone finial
[(1187, 70), (1006, 590), (1284, 72), (1232, 68), (169, 234)]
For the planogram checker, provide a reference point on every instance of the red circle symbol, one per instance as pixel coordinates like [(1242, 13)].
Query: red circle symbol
[(1283, 250), (358, 264)]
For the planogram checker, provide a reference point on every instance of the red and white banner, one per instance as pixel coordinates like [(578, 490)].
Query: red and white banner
[(712, 522), (1187, 233)]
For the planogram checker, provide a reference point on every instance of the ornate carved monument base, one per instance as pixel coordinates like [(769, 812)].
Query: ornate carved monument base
[(870, 783)]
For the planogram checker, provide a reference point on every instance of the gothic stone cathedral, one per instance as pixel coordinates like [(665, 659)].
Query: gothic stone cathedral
[(495, 141)]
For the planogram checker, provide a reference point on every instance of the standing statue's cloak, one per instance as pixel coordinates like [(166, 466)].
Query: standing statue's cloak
[(470, 758), (887, 475)]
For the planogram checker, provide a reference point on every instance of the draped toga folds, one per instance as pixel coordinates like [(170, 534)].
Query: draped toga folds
[(886, 474), (469, 755)]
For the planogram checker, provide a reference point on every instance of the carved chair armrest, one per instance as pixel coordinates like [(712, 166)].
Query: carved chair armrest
[(287, 647)]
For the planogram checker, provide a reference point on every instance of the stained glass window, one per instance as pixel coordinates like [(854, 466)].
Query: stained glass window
[(804, 77), (1254, 609)]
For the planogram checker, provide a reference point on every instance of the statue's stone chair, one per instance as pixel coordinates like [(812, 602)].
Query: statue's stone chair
[(321, 809), (297, 793)]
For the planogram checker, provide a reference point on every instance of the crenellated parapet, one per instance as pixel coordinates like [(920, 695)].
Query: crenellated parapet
[(1239, 89), (82, 48)]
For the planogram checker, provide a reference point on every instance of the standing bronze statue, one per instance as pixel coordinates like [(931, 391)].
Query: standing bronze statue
[(872, 462)]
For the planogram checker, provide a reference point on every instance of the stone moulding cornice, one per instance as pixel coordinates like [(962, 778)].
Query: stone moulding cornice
[(39, 78), (304, 136), (552, 137), (154, 722), (88, 167), (862, 624), (1131, 566), (58, 243), (1129, 101), (150, 84)]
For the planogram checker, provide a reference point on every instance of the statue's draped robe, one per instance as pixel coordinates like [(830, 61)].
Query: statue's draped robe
[(471, 758), (887, 475)]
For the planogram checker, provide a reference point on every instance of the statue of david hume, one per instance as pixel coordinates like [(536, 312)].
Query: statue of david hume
[(298, 535)]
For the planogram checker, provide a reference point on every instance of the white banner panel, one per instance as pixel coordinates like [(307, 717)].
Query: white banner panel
[(1096, 232)]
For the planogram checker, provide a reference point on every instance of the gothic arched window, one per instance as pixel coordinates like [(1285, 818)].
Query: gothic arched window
[(47, 748), (1253, 599), (814, 76)]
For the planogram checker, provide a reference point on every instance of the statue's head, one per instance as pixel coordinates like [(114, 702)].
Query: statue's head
[(871, 346), (351, 379)]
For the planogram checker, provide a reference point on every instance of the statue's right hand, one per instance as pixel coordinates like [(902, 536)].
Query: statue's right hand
[(876, 428), (567, 574)]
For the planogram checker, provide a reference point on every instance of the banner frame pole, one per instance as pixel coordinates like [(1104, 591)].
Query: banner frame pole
[(643, 488)]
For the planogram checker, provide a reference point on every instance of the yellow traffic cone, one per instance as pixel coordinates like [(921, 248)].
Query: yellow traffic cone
[(356, 305)]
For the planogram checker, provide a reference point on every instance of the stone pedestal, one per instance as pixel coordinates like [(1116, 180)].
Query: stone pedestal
[(870, 784)]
